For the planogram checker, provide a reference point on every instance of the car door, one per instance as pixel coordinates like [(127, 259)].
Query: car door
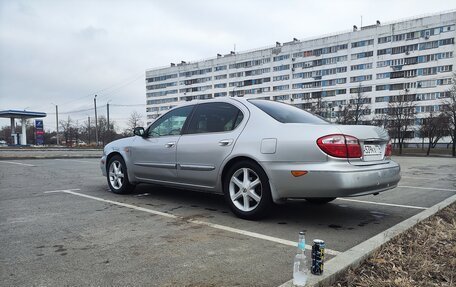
[(154, 155), (207, 140)]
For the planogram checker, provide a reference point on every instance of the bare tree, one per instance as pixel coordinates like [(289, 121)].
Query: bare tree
[(70, 131), (401, 117), (450, 111), (434, 128), (343, 115), (106, 135), (359, 105), (87, 132), (65, 126), (354, 112), (381, 120), (135, 120), (5, 134)]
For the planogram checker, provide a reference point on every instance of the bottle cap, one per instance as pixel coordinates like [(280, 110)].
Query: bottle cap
[(301, 232)]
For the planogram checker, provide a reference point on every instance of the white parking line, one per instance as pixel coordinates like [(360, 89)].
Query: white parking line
[(61, 190), (77, 160), (422, 178), (212, 225), (426, 188), (382, 203), (18, 163)]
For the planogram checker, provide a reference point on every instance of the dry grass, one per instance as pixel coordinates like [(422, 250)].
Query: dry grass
[(423, 256)]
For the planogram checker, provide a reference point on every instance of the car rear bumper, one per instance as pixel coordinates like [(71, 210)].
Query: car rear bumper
[(337, 179)]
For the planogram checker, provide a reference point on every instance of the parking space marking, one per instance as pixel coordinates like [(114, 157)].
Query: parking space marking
[(382, 203), (208, 224), (61, 190), (414, 177), (18, 163), (426, 188), (77, 160)]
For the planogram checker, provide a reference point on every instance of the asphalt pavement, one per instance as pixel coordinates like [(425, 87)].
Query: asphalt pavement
[(59, 225)]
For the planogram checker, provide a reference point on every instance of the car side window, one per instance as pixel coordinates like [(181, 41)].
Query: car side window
[(214, 117), (171, 123)]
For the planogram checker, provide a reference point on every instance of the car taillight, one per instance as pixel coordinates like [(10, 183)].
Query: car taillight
[(342, 146), (389, 149)]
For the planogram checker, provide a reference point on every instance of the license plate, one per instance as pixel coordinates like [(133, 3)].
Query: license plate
[(372, 149)]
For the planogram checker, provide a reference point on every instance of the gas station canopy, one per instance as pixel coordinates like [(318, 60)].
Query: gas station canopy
[(23, 115)]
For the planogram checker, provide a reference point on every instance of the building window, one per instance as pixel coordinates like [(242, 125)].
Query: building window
[(195, 81), (382, 87), (361, 67), (363, 89), (219, 86), (362, 55), (362, 43), (281, 78), (281, 88), (161, 86), (386, 39), (220, 77), (236, 75), (257, 72), (281, 58), (195, 72), (281, 98), (161, 93), (161, 78), (281, 68), (220, 68), (360, 78)]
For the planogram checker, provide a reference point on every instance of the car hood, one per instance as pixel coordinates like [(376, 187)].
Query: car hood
[(119, 144)]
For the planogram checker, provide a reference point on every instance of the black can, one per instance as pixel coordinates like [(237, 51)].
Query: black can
[(318, 256)]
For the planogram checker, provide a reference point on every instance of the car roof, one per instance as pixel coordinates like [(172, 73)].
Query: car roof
[(218, 99)]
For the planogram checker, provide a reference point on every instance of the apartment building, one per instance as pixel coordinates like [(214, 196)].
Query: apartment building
[(384, 60)]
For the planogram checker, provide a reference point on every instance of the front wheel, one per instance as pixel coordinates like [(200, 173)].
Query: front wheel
[(247, 191), (320, 200), (117, 176)]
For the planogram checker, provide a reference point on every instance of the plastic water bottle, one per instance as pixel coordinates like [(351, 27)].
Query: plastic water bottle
[(300, 263)]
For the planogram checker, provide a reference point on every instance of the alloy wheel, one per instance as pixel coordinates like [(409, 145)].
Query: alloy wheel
[(245, 189), (116, 175)]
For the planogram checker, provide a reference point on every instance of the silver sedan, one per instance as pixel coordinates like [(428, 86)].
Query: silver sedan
[(255, 152)]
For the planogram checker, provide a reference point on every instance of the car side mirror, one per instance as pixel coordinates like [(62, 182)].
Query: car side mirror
[(139, 131)]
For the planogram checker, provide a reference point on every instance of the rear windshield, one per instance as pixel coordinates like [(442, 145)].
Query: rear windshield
[(287, 113)]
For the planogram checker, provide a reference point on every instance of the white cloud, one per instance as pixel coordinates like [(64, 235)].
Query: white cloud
[(64, 52)]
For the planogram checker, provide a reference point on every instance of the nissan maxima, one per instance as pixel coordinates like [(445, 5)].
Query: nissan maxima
[(255, 153)]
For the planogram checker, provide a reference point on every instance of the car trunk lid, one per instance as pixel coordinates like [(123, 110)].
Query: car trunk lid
[(373, 141)]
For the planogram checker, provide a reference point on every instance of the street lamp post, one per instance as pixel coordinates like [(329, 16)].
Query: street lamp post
[(88, 129), (56, 122), (107, 115), (96, 120)]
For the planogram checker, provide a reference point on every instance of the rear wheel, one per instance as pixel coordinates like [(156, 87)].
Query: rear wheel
[(247, 191), (320, 200), (117, 176)]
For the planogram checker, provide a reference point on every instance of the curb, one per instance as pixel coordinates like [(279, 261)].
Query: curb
[(424, 155), (353, 257), (48, 157)]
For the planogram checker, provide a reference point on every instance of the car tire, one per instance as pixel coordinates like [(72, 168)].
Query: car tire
[(320, 200), (117, 176), (247, 190)]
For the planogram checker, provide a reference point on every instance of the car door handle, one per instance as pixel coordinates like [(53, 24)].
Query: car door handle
[(170, 144), (225, 142)]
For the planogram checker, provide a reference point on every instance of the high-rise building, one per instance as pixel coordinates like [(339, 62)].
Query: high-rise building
[(374, 63)]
